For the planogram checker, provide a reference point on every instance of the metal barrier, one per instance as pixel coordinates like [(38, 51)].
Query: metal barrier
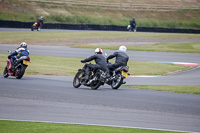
[(18, 24)]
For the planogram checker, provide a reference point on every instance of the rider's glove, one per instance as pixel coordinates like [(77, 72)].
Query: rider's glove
[(82, 61), (107, 61)]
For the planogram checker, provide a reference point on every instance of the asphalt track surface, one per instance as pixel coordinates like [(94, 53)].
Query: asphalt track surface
[(53, 98)]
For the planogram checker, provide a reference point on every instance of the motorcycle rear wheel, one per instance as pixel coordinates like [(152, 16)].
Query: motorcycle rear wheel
[(97, 83), (76, 81), (5, 73), (20, 71), (117, 81)]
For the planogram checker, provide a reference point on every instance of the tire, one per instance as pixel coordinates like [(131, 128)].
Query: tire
[(116, 82), (97, 83), (5, 73), (77, 79), (20, 71)]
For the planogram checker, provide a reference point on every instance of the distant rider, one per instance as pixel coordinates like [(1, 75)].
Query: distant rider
[(121, 58), (133, 23), (100, 61), (22, 51), (40, 21)]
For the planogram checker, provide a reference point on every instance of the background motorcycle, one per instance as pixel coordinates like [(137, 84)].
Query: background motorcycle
[(131, 28), (96, 78), (35, 26), (19, 68)]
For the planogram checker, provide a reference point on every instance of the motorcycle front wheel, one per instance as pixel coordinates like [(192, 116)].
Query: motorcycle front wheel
[(97, 82), (117, 81), (19, 72), (76, 81), (5, 73)]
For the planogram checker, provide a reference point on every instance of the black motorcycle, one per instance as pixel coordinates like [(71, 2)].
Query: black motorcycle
[(118, 76), (132, 28), (20, 65), (97, 78)]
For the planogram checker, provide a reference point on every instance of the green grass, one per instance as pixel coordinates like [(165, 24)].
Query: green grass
[(192, 47), (188, 89), (39, 127), (82, 39), (65, 66), (55, 13)]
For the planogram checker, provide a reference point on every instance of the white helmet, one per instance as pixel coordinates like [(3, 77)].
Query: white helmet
[(42, 17), (98, 50), (122, 48), (23, 44)]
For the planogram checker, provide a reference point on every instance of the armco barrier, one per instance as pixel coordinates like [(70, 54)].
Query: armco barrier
[(18, 24)]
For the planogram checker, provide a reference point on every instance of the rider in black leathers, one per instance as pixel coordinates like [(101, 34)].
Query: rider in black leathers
[(100, 61), (133, 23), (121, 58), (40, 21)]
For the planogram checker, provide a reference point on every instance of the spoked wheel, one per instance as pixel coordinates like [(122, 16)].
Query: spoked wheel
[(76, 81), (97, 81), (19, 72), (117, 81), (5, 73)]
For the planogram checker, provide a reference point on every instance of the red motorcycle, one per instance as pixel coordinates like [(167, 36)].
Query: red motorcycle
[(36, 26), (20, 65)]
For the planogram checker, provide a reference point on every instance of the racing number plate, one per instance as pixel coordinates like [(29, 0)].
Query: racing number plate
[(25, 62), (124, 74), (34, 24)]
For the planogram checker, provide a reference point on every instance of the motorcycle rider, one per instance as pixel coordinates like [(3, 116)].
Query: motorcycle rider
[(121, 58), (100, 61), (22, 51), (133, 23), (40, 21)]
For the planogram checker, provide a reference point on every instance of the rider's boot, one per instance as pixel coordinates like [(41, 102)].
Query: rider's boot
[(108, 81)]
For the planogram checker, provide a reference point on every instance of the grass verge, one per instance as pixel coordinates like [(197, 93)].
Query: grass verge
[(188, 89), (39, 127), (192, 47), (66, 66), (83, 39)]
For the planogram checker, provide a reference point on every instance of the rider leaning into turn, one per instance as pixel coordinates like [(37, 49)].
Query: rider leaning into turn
[(121, 58), (22, 51), (100, 61)]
